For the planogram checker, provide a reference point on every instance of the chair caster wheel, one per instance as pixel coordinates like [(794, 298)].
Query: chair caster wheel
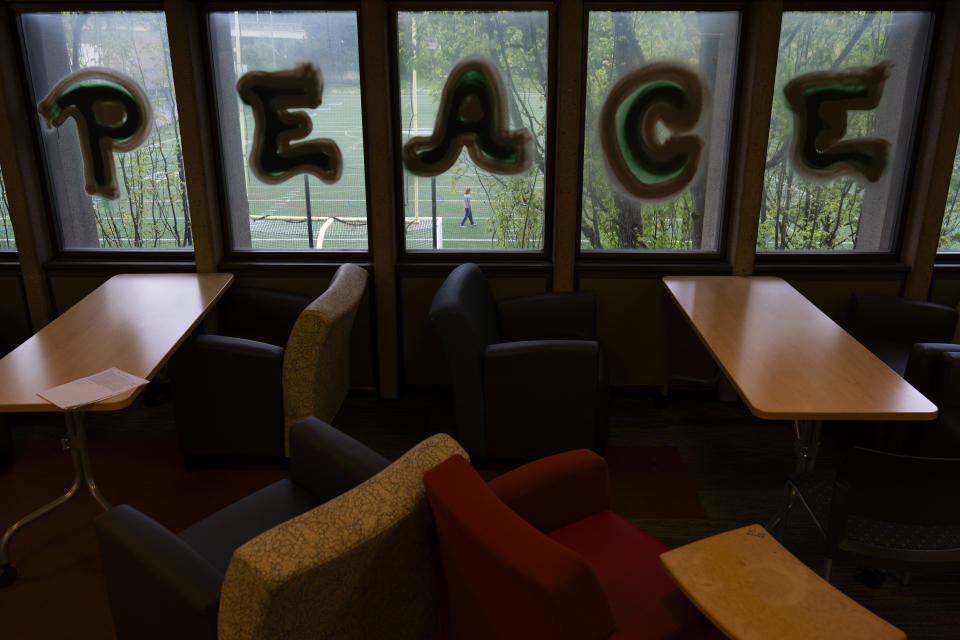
[(8, 573), (872, 578)]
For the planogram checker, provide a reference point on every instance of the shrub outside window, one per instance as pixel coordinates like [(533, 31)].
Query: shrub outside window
[(844, 213), (620, 42), (950, 229), (7, 241), (507, 210), (302, 212), (152, 211)]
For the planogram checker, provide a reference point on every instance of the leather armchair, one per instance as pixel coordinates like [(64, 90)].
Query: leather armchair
[(537, 553), (889, 326), (529, 376), (934, 370), (281, 358), (165, 585)]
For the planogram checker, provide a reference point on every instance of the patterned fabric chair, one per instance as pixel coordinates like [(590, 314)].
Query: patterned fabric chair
[(361, 566), (529, 376), (164, 585), (283, 358), (537, 554), (887, 510)]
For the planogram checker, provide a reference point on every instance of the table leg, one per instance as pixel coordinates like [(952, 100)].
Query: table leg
[(807, 443), (78, 439), (76, 442)]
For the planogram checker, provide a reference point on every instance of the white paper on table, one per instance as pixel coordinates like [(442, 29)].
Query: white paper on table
[(93, 388)]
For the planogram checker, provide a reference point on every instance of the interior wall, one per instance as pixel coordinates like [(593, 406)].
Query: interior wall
[(945, 287), (14, 315), (646, 338)]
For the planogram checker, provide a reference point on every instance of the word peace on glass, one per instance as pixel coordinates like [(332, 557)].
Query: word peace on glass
[(113, 114)]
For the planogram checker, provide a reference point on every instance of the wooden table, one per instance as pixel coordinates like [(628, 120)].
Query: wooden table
[(788, 360), (752, 588), (132, 322)]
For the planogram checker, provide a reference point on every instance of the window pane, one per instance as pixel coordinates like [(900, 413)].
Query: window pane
[(151, 212), (7, 240), (848, 212), (507, 210), (302, 212), (689, 217), (950, 230)]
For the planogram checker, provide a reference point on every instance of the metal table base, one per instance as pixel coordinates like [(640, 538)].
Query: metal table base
[(806, 445), (76, 443)]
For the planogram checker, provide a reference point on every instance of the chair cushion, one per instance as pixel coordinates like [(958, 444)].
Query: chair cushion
[(625, 558), (898, 535), (816, 492), (216, 536)]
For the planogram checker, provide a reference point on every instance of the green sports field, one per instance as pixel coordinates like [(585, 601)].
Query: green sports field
[(278, 213)]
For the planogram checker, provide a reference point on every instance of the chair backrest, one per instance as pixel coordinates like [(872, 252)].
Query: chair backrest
[(898, 510), (872, 316), (316, 362), (464, 315), (362, 565), (897, 488), (504, 577), (260, 314)]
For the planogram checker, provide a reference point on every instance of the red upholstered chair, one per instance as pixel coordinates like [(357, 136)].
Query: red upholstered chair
[(537, 553)]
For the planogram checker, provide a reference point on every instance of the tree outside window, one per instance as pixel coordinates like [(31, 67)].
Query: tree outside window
[(844, 213), (7, 241), (152, 211), (950, 230), (507, 210), (618, 43)]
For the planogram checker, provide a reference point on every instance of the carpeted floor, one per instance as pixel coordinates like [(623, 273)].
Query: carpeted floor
[(692, 469), (651, 482)]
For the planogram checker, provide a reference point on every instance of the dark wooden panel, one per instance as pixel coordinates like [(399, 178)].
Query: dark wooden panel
[(14, 317)]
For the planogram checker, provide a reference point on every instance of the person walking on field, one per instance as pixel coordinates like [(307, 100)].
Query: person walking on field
[(467, 211)]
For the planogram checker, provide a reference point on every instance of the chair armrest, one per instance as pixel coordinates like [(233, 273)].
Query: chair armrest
[(900, 319), (214, 378), (226, 351), (549, 316), (260, 314), (328, 462), (923, 363), (159, 586), (557, 490), (947, 388)]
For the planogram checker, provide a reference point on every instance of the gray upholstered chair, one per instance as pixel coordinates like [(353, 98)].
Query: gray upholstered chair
[(895, 330), (529, 377), (363, 565), (934, 370), (889, 326), (281, 358), (886, 510), (165, 585)]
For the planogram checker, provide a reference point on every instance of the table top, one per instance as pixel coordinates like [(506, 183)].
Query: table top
[(132, 321), (786, 358), (750, 587)]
